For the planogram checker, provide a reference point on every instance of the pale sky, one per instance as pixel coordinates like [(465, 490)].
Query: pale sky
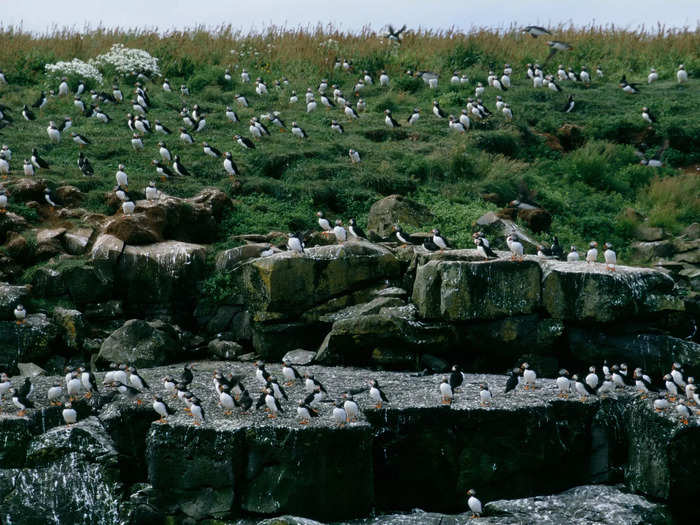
[(40, 15)]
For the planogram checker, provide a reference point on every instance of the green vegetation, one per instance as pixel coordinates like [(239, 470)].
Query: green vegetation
[(580, 166)]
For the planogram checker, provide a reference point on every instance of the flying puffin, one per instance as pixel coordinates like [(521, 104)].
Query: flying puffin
[(535, 31), (515, 247), (389, 120), (592, 253), (245, 142), (394, 35), (556, 45), (297, 131), (610, 257), (627, 87), (437, 111)]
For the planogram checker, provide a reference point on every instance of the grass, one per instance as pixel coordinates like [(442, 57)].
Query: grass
[(284, 181)]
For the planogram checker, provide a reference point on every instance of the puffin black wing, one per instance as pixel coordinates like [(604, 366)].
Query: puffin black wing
[(318, 384), (277, 404), (429, 245), (456, 379), (26, 388), (488, 251), (261, 401), (187, 376), (310, 398), (512, 382), (93, 382)]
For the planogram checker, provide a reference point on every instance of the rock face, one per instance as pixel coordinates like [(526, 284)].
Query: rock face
[(10, 297), (396, 209), (286, 284), (31, 341), (156, 273), (461, 291), (141, 344), (574, 291)]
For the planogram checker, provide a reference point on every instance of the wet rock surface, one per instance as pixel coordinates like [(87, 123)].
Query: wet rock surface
[(252, 463)]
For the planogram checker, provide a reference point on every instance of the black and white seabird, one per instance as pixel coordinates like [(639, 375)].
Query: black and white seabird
[(355, 230), (162, 409), (394, 35), (297, 131), (389, 120), (179, 168), (456, 377), (474, 503), (512, 381), (323, 222), (21, 402), (210, 150), (305, 412), (354, 156), (485, 251), (37, 161), (535, 31), (229, 165), (376, 394), (529, 377), (28, 114), (245, 142), (569, 107), (648, 116), (446, 392), (515, 247), (627, 87), (404, 237)]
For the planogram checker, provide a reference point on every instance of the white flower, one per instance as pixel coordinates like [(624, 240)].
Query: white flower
[(74, 67), (128, 60)]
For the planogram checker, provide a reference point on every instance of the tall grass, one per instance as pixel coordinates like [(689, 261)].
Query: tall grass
[(673, 201)]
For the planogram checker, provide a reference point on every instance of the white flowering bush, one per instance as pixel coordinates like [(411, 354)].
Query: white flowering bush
[(75, 68), (127, 60)]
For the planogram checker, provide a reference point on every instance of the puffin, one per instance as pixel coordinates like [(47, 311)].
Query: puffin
[(661, 403), (607, 386), (592, 253), (404, 237), (295, 243), (350, 112), (244, 401), (290, 373), (439, 240), (21, 402), (535, 31), (337, 127), (197, 411), (272, 403), (376, 394), (383, 79), (339, 231), (389, 120), (80, 140), (352, 410), (229, 165), (101, 116), (163, 170), (245, 77), (354, 156), (305, 412), (185, 137), (128, 206), (136, 380), (572, 256), (261, 374), (592, 381), (579, 388), (151, 191), (682, 74), (394, 35), (311, 105), (610, 257), (277, 390), (339, 414), (557, 45), (323, 222), (29, 170), (529, 377), (210, 150), (474, 503), (684, 413), (53, 132), (5, 384), (28, 114), (563, 383), (187, 376), (226, 399), (136, 141), (627, 87), (617, 378), (4, 172), (142, 125), (54, 394), (161, 408), (512, 381), (456, 377), (570, 104), (231, 114), (293, 99), (179, 168), (37, 161), (515, 247), (40, 101), (20, 314), (507, 112), (297, 131), (485, 394), (437, 110), (73, 385), (70, 416), (413, 117), (244, 142), (446, 393), (117, 93), (647, 115), (122, 178), (355, 230), (677, 375), (88, 382)]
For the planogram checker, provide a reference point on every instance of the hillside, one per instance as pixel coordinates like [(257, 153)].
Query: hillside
[(580, 166)]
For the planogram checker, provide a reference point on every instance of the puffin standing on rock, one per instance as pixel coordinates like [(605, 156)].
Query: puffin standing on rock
[(515, 247)]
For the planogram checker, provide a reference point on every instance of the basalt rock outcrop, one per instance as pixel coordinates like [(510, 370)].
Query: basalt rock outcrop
[(249, 463)]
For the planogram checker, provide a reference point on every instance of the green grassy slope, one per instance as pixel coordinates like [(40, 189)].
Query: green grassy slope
[(285, 180)]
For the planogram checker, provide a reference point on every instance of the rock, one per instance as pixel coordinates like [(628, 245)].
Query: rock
[(285, 284), (272, 340), (141, 344), (460, 291), (692, 232), (11, 222), (73, 326), (691, 257), (372, 307), (664, 454), (86, 282), (16, 434), (30, 370), (224, 349), (434, 364), (230, 259), (69, 196), (571, 136), (299, 357), (27, 189), (10, 297), (396, 209), (652, 352), (600, 504), (392, 291), (157, 273), (577, 291), (137, 229), (538, 220), (20, 249), (49, 235), (76, 240), (34, 340), (649, 251), (104, 310), (648, 233)]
